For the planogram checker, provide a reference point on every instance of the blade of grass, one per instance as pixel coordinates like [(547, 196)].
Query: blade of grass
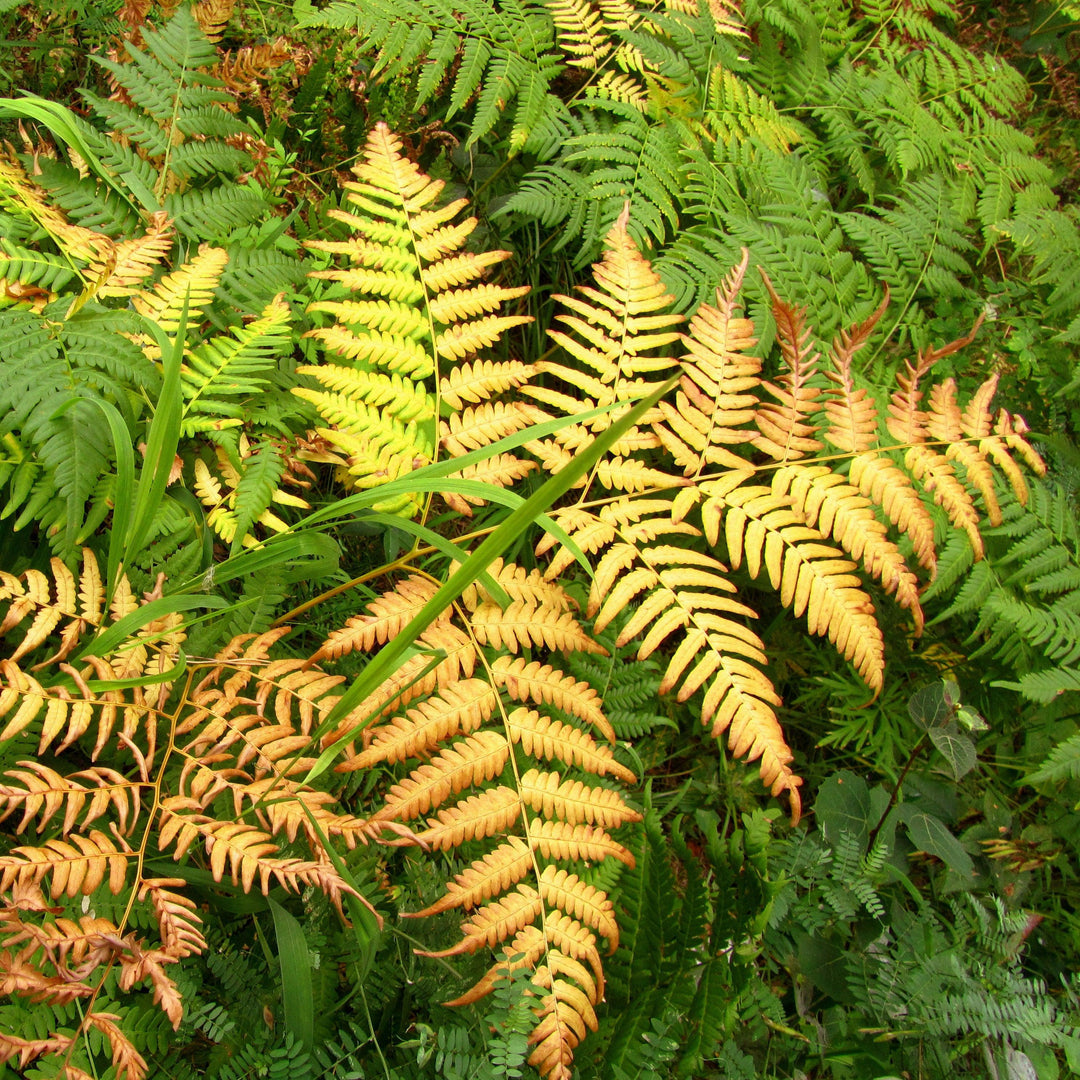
[(297, 996), (161, 440)]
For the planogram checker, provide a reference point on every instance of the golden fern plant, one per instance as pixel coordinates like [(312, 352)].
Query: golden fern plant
[(791, 478), (510, 757), (127, 755)]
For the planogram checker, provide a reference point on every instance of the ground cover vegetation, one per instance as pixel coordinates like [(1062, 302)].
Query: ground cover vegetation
[(539, 539)]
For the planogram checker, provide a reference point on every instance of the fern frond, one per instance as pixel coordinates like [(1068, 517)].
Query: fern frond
[(841, 512), (41, 793), (386, 617), (760, 528), (423, 316), (222, 372)]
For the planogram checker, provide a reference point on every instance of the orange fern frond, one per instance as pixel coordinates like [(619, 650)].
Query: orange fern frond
[(715, 401), (41, 792), (838, 510), (458, 709), (385, 618), (78, 867), (850, 411), (785, 433), (761, 529)]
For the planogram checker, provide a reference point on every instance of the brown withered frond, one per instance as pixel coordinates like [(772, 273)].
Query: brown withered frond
[(203, 764)]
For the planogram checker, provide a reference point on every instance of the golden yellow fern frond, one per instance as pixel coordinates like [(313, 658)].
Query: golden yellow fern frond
[(574, 801), (761, 529), (476, 426), (484, 878), (945, 423), (466, 762), (580, 32), (837, 509), (886, 485), (421, 311), (495, 922), (850, 411), (491, 813), (683, 592), (472, 383), (501, 470), (527, 586), (589, 843), (524, 624), (715, 401), (543, 737), (384, 618), (979, 423), (540, 683), (192, 285), (567, 892), (616, 333), (459, 708)]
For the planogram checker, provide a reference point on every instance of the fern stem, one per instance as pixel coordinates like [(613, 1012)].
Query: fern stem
[(918, 749)]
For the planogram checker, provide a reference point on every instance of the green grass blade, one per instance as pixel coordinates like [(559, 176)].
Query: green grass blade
[(161, 440), (296, 987)]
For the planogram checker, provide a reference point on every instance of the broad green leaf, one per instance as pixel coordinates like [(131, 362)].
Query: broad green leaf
[(843, 806)]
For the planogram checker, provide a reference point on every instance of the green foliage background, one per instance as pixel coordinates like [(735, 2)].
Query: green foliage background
[(921, 921)]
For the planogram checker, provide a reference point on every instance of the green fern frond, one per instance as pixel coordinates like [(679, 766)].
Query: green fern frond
[(222, 372)]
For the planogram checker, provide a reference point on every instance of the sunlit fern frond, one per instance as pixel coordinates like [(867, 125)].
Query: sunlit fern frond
[(850, 411), (716, 399), (580, 32), (787, 431), (616, 337), (763, 530), (681, 600), (417, 318), (190, 288), (515, 759), (840, 511)]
